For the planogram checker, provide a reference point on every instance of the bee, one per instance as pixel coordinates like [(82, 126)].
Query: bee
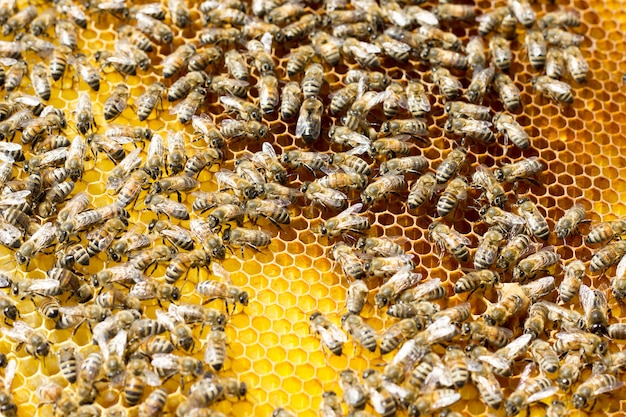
[(594, 386), (8, 308), (494, 336), (529, 267), (113, 149), (342, 99), (268, 93), (14, 75), (452, 195), (484, 179), (507, 91), (207, 130), (40, 82), (354, 393), (170, 208), (193, 313), (524, 169), (511, 130), (417, 100), (273, 210), (557, 90), (86, 71), (360, 30), (360, 331), (224, 214), (281, 412), (221, 16), (187, 108), (223, 290), (180, 332), (451, 165), (183, 261), (569, 371), (448, 239), (475, 50), (215, 348), (423, 189), (325, 196), (444, 58), (588, 344), (528, 391), (19, 20), (245, 109), (449, 12), (155, 159), (187, 83), (574, 273), (474, 129), (570, 221), (595, 306), (178, 59), (149, 100), (39, 241), (327, 46), (604, 231), (511, 301), (384, 402), (36, 343), (396, 285), (299, 58), (536, 321), (153, 290), (177, 235), (331, 336), (476, 279), (236, 64), (537, 224), (241, 237), (84, 114), (138, 375), (116, 102), (175, 184), (156, 29), (179, 12), (382, 187), (204, 57), (312, 81), (536, 48), (449, 85), (379, 246), (135, 37), (308, 126), (50, 120), (576, 64), (10, 235), (398, 333), (207, 200), (290, 100), (260, 52), (55, 195), (364, 54), (50, 392), (523, 12), (481, 80), (501, 53), (386, 266), (356, 295), (555, 63), (560, 37), (168, 364), (411, 127), (489, 21), (395, 49), (487, 251)]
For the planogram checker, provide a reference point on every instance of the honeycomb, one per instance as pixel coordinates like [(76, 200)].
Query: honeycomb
[(270, 344)]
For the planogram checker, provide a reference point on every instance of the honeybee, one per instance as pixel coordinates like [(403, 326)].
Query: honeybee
[(180, 332), (382, 187), (354, 393), (507, 91), (536, 48), (168, 364), (281, 412), (386, 266), (445, 58), (236, 129), (449, 11), (512, 300), (529, 267), (557, 90), (356, 296), (523, 12), (496, 337), (395, 49), (451, 165), (364, 54), (209, 55), (398, 333), (560, 37), (116, 102), (149, 100), (384, 401), (588, 344), (379, 246), (308, 126), (36, 343), (356, 327), (523, 169), (351, 264), (417, 100), (10, 235), (475, 50), (241, 237), (397, 284), (331, 336), (450, 240), (569, 371), (215, 348), (290, 100), (268, 93), (489, 21), (342, 99), (528, 391), (454, 192), (568, 319), (273, 210), (19, 20), (40, 82), (187, 108), (537, 224), (477, 279), (576, 64), (224, 214), (595, 306), (411, 127), (484, 179), (187, 83), (236, 64), (511, 130), (501, 53), (570, 221), (481, 80), (84, 114), (156, 29), (474, 129), (179, 13), (171, 208), (39, 241), (325, 196), (14, 75), (574, 273), (487, 251), (176, 156), (183, 261), (50, 120), (449, 85), (327, 46), (594, 386), (135, 37), (86, 71), (555, 63), (260, 51), (129, 241), (177, 235)]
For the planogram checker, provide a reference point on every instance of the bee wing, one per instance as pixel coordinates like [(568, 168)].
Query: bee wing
[(353, 209), (43, 285), (539, 287), (9, 374), (559, 87), (461, 238), (10, 146), (166, 319), (545, 393), (268, 149), (266, 40), (426, 287), (516, 348), (409, 354), (143, 290), (331, 335), (9, 233), (378, 401), (446, 400), (178, 107), (330, 197), (496, 362), (439, 376), (396, 46), (608, 388), (199, 122), (621, 268), (43, 236), (231, 102), (441, 329), (587, 298), (115, 346), (220, 271), (167, 361), (391, 266), (14, 198), (20, 331), (405, 279), (152, 378)]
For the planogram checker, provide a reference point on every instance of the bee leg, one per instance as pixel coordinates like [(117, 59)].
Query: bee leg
[(179, 197)]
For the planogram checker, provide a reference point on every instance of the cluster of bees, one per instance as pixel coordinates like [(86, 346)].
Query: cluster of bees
[(378, 123)]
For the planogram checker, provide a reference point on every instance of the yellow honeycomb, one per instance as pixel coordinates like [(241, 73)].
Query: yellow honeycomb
[(270, 345)]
